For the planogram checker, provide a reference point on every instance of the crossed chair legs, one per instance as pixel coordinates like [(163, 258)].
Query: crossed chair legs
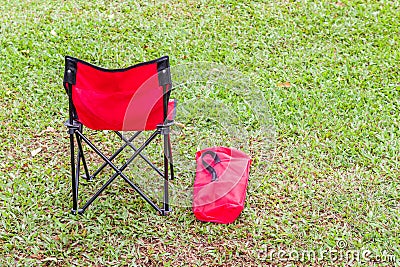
[(75, 131)]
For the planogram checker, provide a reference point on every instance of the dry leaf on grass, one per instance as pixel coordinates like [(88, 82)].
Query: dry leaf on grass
[(36, 151), (285, 84)]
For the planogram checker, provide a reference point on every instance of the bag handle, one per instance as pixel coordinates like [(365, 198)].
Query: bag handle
[(208, 167)]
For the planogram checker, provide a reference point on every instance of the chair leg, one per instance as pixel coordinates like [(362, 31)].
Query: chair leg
[(166, 207), (75, 169), (86, 176), (81, 157), (74, 178), (171, 163), (78, 161), (118, 172)]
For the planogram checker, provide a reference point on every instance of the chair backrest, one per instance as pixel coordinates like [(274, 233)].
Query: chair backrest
[(129, 99)]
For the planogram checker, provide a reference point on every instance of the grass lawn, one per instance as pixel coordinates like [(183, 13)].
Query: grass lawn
[(329, 71)]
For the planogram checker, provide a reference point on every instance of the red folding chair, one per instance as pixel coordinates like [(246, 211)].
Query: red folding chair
[(130, 99)]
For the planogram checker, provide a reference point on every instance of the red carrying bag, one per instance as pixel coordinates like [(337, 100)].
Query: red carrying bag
[(220, 185)]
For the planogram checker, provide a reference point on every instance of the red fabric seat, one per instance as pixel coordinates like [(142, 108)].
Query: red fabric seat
[(128, 99)]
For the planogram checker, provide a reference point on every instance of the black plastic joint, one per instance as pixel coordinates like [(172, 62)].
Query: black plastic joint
[(164, 129), (70, 71), (78, 211), (72, 128), (164, 77), (164, 73), (165, 212), (90, 178)]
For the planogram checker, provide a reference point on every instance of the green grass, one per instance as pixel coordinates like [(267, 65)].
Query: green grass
[(330, 75)]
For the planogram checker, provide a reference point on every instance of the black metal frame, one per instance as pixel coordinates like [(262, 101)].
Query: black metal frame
[(75, 131)]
